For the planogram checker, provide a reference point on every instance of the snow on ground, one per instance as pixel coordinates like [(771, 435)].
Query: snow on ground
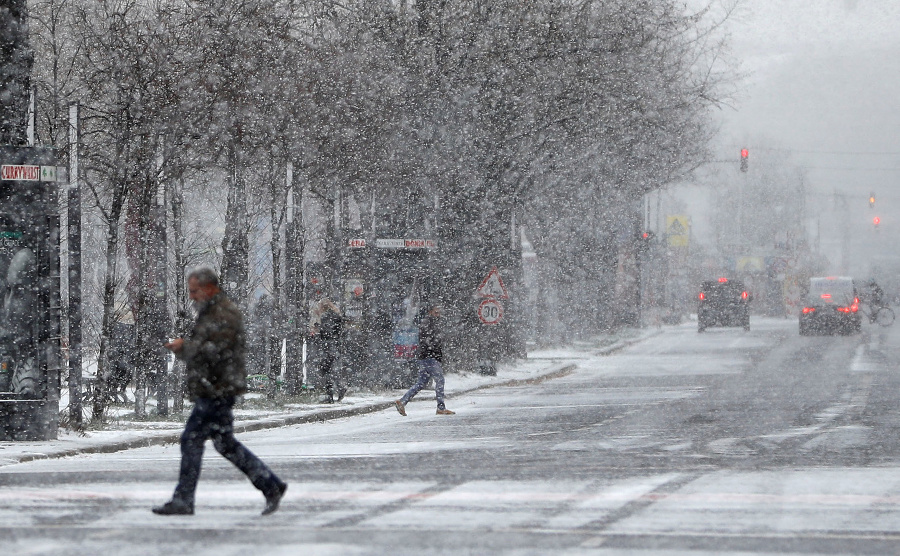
[(124, 431)]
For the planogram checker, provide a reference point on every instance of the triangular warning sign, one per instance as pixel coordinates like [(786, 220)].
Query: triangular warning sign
[(676, 228), (492, 286)]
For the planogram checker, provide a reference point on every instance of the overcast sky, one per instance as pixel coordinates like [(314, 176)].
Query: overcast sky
[(822, 83)]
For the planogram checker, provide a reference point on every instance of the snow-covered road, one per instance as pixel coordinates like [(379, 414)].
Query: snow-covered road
[(726, 442)]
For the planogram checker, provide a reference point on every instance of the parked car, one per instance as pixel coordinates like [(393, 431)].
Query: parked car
[(831, 307), (723, 302)]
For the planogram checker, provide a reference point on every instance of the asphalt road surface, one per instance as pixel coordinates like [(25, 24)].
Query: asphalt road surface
[(759, 442)]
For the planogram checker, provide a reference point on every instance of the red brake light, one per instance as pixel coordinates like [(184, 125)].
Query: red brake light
[(723, 280), (826, 296), (807, 310), (745, 295), (702, 296)]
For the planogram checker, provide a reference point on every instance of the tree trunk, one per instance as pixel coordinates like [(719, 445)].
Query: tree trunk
[(235, 244), (146, 224), (109, 309), (181, 312), (278, 211), (295, 320)]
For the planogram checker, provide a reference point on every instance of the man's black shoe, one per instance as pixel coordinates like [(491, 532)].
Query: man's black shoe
[(273, 499), (174, 507)]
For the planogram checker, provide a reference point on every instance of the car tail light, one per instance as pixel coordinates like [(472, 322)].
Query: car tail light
[(745, 295), (844, 309), (723, 280), (808, 310), (702, 296), (826, 296)]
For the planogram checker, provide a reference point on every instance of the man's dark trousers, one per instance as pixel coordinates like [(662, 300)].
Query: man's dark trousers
[(212, 418)]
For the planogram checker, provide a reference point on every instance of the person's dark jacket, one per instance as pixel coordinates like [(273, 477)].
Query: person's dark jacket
[(330, 326), (431, 345), (214, 351)]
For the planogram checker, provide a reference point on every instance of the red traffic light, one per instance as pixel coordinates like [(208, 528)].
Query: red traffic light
[(876, 221), (745, 153)]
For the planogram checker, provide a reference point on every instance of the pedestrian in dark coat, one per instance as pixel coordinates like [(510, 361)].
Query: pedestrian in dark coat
[(213, 354), (121, 361), (328, 330), (429, 353)]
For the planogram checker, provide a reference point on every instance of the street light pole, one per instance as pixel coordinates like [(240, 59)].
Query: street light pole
[(73, 240)]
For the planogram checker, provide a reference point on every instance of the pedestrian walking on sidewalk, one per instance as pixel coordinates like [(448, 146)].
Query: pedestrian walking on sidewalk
[(213, 353), (429, 355), (328, 329)]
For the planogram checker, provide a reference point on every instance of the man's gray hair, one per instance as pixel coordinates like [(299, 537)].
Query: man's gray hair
[(204, 277)]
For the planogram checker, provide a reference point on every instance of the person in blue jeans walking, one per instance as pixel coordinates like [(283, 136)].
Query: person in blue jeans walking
[(213, 354), (429, 355)]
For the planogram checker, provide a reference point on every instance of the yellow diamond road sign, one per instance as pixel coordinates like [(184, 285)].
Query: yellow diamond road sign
[(678, 230)]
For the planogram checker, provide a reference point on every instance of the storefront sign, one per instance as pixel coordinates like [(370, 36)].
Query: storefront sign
[(386, 243)]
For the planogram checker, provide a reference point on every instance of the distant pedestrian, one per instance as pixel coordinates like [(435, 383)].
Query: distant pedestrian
[(214, 354), (328, 327), (429, 354), (121, 360)]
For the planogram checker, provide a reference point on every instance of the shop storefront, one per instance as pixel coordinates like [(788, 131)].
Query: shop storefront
[(386, 284)]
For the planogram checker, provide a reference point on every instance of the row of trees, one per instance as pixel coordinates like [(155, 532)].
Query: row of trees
[(556, 114)]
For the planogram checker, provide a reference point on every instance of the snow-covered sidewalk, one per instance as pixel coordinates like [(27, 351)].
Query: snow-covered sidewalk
[(123, 433)]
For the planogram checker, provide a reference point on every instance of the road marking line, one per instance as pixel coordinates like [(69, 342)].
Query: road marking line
[(593, 542)]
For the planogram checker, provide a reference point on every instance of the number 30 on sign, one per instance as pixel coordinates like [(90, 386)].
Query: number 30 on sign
[(490, 311)]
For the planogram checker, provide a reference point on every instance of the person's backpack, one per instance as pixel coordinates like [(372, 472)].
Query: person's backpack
[(330, 326)]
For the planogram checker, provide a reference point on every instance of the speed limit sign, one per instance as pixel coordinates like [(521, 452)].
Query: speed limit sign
[(490, 311)]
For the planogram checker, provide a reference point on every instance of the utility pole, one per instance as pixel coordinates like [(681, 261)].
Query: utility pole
[(841, 199), (73, 240), (293, 286), (15, 72)]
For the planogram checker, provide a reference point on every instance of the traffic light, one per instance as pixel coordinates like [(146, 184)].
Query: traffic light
[(876, 221), (745, 154), (872, 200), (644, 241)]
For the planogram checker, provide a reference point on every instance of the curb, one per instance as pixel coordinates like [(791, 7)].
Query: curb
[(620, 345), (276, 422), (555, 371)]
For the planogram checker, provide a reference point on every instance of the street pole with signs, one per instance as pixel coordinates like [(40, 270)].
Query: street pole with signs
[(30, 283)]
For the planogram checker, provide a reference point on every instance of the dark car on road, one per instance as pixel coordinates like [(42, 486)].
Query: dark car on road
[(831, 307), (723, 302)]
